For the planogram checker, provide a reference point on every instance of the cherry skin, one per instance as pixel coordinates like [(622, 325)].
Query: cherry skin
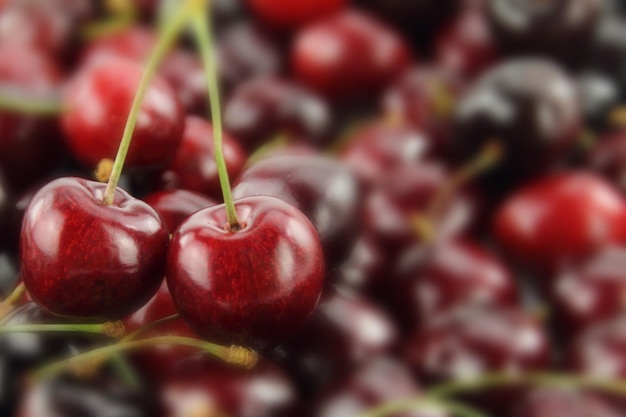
[(555, 402), (530, 107), (264, 108), (592, 292), (340, 56), (193, 167), (99, 100), (285, 14), (426, 98), (559, 219), (81, 258), (607, 157), (253, 286), (324, 190), (174, 206)]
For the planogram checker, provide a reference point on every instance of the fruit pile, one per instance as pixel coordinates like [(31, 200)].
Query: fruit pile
[(317, 208)]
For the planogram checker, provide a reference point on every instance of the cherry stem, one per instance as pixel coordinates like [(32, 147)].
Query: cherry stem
[(235, 355), (8, 304), (423, 404), (169, 34), (113, 329), (149, 326), (24, 104), (204, 40)]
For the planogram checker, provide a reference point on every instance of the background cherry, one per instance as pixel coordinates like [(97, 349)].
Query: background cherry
[(284, 14), (174, 206), (606, 157), (554, 402)]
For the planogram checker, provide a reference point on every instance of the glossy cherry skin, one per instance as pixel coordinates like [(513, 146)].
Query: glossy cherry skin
[(194, 167), (530, 107), (563, 402), (174, 206), (426, 98), (81, 258), (203, 384), (285, 14), (348, 56), (377, 382), (324, 190), (346, 330), (559, 219), (254, 286), (99, 99), (607, 157), (264, 108), (559, 29), (454, 273), (30, 146), (592, 292), (381, 146)]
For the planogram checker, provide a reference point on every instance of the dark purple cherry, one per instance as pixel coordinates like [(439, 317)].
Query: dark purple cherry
[(256, 285), (562, 402), (323, 189), (530, 107), (82, 258), (607, 157), (174, 206), (193, 167), (264, 108)]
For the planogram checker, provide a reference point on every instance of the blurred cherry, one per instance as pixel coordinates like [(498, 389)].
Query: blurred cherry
[(134, 43), (562, 402), (174, 206), (364, 269), (286, 14), (600, 97), (607, 157)]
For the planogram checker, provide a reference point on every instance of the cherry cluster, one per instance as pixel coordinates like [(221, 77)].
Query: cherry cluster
[(426, 215)]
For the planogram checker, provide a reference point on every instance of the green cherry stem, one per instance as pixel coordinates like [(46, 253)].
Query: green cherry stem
[(166, 39), (114, 329), (204, 40), (423, 404)]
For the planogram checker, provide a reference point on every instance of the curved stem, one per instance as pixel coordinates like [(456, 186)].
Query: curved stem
[(423, 404), (162, 47), (149, 326), (203, 37), (13, 102)]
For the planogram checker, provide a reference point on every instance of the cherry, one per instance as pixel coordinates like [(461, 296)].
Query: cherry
[(452, 274), (591, 292), (348, 56), (263, 108), (555, 402), (174, 206), (559, 28), (607, 156), (600, 98), (559, 219), (134, 43), (82, 258), (183, 71), (205, 386), (381, 146), (529, 106), (285, 14), (324, 190), (256, 282), (30, 145), (364, 269), (606, 54), (346, 330), (99, 100), (194, 168), (426, 98)]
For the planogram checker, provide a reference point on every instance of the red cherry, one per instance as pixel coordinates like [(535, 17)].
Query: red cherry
[(608, 157), (174, 206), (134, 43), (98, 102), (256, 285), (286, 14), (348, 56), (81, 258), (194, 167), (560, 219)]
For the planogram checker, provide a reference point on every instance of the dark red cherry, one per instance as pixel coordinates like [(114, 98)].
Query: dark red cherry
[(592, 292), (381, 146), (174, 206), (204, 386), (193, 167), (562, 402), (348, 56), (452, 274), (558, 28), (98, 102), (466, 45), (530, 107), (426, 98), (264, 108), (559, 219), (324, 190), (607, 157), (30, 146), (346, 330), (81, 258), (375, 383), (285, 14), (256, 285), (364, 269)]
